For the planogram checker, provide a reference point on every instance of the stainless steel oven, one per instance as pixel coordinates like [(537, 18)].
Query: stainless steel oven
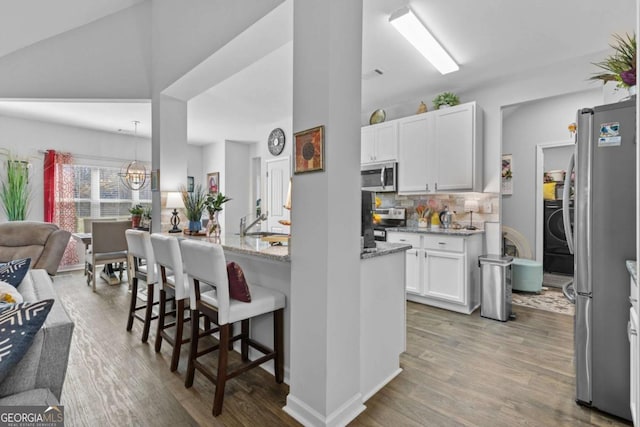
[(388, 218), (379, 177)]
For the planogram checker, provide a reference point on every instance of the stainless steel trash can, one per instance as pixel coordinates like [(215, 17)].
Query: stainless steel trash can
[(495, 284)]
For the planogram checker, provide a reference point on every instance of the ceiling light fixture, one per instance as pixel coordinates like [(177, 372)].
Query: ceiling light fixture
[(134, 175), (408, 24)]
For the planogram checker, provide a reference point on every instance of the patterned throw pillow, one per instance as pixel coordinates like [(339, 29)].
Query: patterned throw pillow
[(238, 288), (19, 323), (14, 271)]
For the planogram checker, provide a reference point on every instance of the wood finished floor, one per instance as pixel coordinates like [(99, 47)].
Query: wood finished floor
[(458, 371)]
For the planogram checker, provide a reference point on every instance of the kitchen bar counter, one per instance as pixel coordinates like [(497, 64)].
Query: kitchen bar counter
[(437, 230)]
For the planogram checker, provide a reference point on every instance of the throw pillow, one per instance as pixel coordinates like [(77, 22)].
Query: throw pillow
[(9, 294), (238, 288), (14, 271), (19, 323)]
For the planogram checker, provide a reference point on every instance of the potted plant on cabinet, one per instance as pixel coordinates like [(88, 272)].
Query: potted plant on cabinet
[(136, 214), (621, 65), (194, 206), (448, 99), (15, 191), (213, 204)]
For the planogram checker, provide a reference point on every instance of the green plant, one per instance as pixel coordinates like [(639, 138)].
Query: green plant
[(15, 191), (446, 98), (213, 203), (621, 65), (136, 210), (194, 202), (146, 213)]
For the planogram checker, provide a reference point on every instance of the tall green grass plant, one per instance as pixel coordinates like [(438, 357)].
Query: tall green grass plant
[(14, 190)]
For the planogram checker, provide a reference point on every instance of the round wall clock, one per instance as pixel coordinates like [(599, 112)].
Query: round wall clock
[(276, 141)]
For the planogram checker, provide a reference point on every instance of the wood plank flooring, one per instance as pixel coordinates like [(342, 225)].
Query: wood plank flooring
[(458, 371)]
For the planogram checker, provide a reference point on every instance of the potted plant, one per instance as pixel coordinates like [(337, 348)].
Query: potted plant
[(621, 65), (136, 214), (194, 206), (213, 203), (15, 191), (448, 99)]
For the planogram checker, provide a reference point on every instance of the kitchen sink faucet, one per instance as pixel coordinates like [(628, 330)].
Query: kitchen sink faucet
[(243, 223)]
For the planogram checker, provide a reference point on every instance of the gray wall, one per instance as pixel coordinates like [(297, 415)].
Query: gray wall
[(557, 158), (524, 126)]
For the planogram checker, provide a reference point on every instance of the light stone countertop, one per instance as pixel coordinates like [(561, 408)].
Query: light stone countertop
[(632, 266), (437, 230), (384, 248)]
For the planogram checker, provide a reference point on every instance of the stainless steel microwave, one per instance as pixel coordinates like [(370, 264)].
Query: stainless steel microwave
[(379, 177)]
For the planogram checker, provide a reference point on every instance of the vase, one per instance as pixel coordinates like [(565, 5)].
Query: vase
[(195, 226), (424, 222), (213, 227), (135, 221)]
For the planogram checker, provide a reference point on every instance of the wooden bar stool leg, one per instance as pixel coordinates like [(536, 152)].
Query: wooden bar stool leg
[(177, 344), (278, 344), (231, 336), (132, 305), (221, 379), (193, 348), (244, 341), (161, 314), (148, 313)]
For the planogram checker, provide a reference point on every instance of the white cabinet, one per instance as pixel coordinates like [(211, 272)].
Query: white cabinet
[(379, 143), (442, 270), (441, 151)]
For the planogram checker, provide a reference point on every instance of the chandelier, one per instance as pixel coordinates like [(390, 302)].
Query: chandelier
[(134, 175)]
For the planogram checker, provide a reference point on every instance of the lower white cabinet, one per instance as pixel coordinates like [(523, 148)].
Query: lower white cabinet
[(442, 270)]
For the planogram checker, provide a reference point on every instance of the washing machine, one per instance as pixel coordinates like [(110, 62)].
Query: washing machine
[(557, 258)]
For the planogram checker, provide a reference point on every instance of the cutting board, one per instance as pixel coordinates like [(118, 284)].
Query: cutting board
[(275, 239)]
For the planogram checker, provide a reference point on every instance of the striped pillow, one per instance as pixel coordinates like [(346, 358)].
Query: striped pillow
[(14, 271)]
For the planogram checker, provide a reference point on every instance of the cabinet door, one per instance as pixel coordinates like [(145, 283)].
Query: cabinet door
[(444, 276), (634, 364), (413, 271), (415, 149), (454, 129), (386, 142), (367, 144)]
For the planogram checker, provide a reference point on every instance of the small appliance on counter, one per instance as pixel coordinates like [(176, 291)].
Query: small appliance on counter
[(446, 218), (366, 231), (389, 218)]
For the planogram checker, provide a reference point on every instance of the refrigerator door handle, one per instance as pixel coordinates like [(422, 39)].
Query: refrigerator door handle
[(566, 213)]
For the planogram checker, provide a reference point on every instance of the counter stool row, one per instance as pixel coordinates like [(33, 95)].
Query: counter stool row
[(195, 273)]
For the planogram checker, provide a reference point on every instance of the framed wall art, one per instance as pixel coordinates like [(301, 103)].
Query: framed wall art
[(309, 150), (507, 174), (213, 182), (190, 184)]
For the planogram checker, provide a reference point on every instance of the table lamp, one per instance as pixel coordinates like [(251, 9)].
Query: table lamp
[(471, 206), (174, 201)]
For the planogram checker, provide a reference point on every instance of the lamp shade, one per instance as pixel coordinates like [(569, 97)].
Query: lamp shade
[(174, 200), (471, 206)]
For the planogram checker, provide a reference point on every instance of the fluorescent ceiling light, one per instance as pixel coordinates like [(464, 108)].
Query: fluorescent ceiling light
[(417, 34)]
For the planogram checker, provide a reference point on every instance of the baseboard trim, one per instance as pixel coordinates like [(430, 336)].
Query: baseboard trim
[(308, 416)]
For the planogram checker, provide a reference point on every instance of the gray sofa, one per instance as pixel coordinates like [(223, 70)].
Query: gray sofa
[(38, 378), (43, 242)]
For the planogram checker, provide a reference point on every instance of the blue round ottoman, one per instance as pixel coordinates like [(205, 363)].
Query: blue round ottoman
[(526, 275)]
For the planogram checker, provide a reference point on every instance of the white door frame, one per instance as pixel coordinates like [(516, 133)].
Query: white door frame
[(268, 183), (539, 192)]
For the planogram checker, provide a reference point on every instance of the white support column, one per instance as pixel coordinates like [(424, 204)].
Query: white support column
[(325, 215)]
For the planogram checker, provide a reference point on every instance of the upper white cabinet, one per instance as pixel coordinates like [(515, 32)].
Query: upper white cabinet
[(379, 143), (441, 151)]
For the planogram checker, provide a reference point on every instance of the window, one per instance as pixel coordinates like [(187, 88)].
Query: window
[(99, 193)]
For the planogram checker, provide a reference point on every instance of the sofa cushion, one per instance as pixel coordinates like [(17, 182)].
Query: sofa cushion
[(13, 272), (34, 397), (19, 323)]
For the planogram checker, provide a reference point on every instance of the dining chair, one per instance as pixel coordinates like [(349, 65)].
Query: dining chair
[(87, 228), (143, 267), (108, 245), (205, 262)]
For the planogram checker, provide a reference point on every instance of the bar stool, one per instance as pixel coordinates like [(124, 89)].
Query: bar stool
[(139, 249), (205, 262)]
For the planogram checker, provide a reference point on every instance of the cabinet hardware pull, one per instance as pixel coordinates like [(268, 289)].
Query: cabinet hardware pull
[(442, 243), (416, 254), (436, 186), (426, 187)]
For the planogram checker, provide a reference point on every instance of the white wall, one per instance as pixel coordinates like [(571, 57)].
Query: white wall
[(557, 158), (238, 184), (25, 138), (524, 126)]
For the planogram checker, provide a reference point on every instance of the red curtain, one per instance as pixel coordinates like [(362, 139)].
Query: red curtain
[(59, 206)]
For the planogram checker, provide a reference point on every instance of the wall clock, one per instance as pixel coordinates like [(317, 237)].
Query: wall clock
[(276, 141)]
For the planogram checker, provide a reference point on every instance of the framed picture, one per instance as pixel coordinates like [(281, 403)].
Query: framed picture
[(155, 180), (507, 174), (309, 150), (213, 182), (190, 184)]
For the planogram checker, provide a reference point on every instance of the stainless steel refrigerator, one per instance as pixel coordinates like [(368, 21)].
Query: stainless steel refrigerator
[(602, 239)]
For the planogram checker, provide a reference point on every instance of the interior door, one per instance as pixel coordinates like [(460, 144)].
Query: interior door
[(278, 174)]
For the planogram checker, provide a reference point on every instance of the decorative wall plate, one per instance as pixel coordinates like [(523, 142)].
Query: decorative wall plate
[(276, 141), (378, 116)]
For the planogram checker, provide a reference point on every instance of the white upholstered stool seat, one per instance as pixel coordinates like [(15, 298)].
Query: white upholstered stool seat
[(263, 300)]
